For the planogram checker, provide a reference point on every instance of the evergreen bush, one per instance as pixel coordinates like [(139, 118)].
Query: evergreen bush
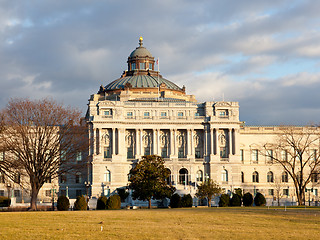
[(113, 202), (175, 201), (63, 203), (123, 193), (224, 200), (259, 200), (247, 199), (186, 201), (235, 200), (80, 203), (238, 191), (4, 201), (102, 203)]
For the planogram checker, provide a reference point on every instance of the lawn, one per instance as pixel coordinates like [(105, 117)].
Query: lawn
[(195, 223)]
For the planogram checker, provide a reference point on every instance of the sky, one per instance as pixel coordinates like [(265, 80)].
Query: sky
[(263, 54)]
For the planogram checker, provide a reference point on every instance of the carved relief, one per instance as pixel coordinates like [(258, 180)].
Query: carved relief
[(106, 139), (130, 139), (222, 139), (181, 139), (147, 139), (164, 137), (197, 139)]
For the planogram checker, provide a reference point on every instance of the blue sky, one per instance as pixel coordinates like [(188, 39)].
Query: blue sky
[(264, 54)]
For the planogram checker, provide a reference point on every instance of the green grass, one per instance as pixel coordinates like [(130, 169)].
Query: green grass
[(195, 223)]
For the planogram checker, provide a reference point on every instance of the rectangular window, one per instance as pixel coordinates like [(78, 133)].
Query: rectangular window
[(223, 152), (129, 153), (223, 113), (150, 66), (1, 193), (78, 178), (197, 154), (146, 114), (147, 151), (133, 66), (129, 114), (106, 152), (180, 114), (48, 193), (254, 155), (269, 155), (314, 155), (284, 155), (241, 155), (163, 114), (270, 192), (316, 192), (16, 193), (78, 192), (180, 153), (107, 112), (164, 153), (143, 65), (286, 192)]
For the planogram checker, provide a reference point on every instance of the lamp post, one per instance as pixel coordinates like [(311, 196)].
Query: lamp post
[(9, 187), (87, 184), (53, 190)]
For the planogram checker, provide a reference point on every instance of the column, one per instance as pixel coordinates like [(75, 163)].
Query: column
[(188, 150), (141, 142), (217, 141), (90, 140), (94, 141), (192, 143), (158, 142), (230, 141), (113, 141), (97, 141), (171, 143), (137, 152), (211, 141), (154, 142), (204, 142), (175, 142)]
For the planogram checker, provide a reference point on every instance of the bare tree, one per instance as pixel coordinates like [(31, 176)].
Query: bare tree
[(278, 188), (296, 149), (41, 139)]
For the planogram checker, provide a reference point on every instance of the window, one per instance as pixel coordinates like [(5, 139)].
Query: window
[(183, 176), (223, 152), (223, 113), (163, 114), (168, 179), (242, 177), (78, 192), (1, 156), (63, 178), (180, 114), (164, 153), (197, 114), (180, 153), (255, 177), (107, 112), (17, 178), (107, 152), (284, 177), (63, 155), (129, 114), (197, 154), (78, 178), (143, 65), (314, 155), (270, 192), (269, 155), (314, 177), (224, 175), (254, 155), (241, 155), (129, 153), (16, 193), (133, 66), (284, 155), (79, 156), (146, 114), (270, 177), (48, 193), (107, 176), (147, 151), (1, 193), (150, 66), (316, 192), (199, 176), (1, 177), (286, 192)]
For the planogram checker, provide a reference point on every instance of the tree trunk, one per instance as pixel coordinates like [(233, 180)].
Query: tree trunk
[(209, 202), (34, 197), (149, 203)]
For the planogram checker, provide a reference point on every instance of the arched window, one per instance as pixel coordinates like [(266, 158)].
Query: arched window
[(242, 177), (224, 175), (107, 176), (78, 177), (199, 176), (270, 177), (284, 177), (183, 176), (255, 177)]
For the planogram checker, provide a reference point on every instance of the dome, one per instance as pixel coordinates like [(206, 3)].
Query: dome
[(140, 51), (141, 81)]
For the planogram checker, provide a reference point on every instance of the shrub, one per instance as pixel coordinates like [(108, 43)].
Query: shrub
[(224, 200), (113, 202), (4, 201), (186, 201), (102, 203), (247, 199), (238, 191), (175, 201), (80, 203), (235, 200), (123, 193), (63, 203), (259, 200)]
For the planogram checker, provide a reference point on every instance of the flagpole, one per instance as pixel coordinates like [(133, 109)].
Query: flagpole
[(158, 79)]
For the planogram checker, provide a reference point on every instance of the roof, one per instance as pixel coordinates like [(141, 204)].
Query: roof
[(141, 81), (140, 52)]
